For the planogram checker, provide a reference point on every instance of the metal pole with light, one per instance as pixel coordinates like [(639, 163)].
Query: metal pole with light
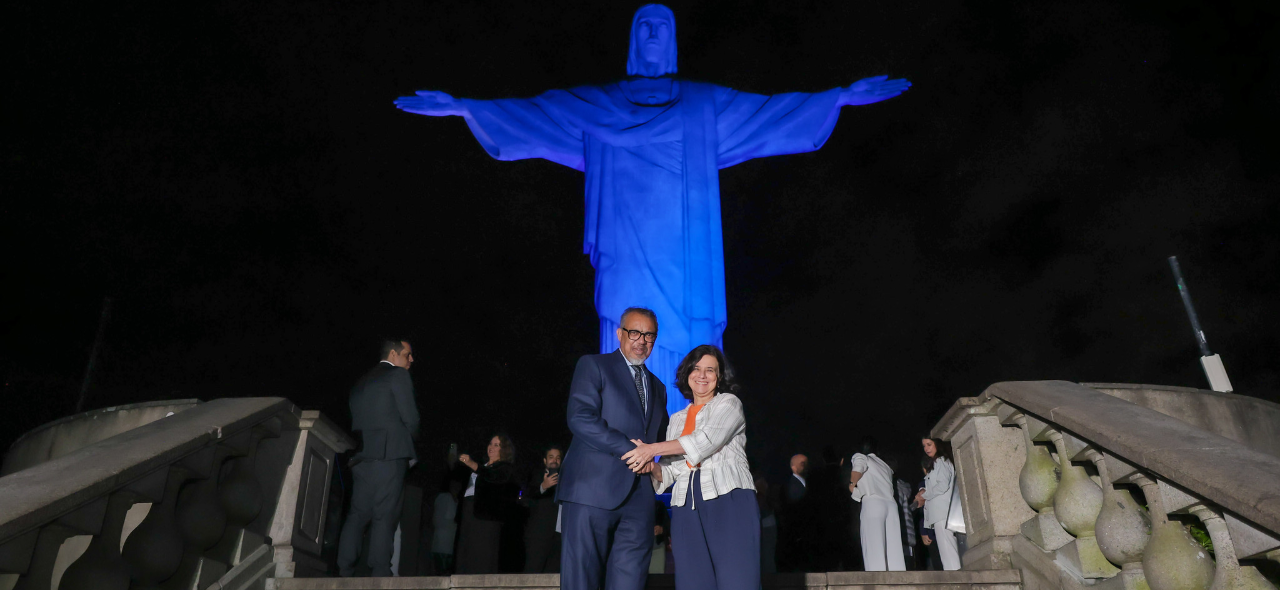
[(1212, 363)]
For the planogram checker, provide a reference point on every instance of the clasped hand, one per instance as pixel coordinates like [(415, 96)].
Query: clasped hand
[(639, 459)]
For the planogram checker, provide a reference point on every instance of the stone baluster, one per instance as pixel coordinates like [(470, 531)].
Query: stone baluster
[(39, 575), (84, 520), (1172, 560), (1077, 503), (101, 567), (1228, 575), (240, 492), (154, 549), (1038, 482), (201, 521), (1123, 527), (241, 496)]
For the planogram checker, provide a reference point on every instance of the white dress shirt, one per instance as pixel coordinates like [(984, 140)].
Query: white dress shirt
[(876, 480), (717, 445)]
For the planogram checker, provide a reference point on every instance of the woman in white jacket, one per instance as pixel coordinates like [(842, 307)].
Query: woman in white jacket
[(715, 520), (936, 500)]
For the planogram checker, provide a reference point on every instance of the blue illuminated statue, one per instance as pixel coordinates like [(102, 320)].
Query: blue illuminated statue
[(651, 147)]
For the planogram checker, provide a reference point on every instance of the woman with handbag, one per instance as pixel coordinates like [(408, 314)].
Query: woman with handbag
[(936, 499)]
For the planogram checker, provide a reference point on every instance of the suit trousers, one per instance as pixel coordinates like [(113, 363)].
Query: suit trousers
[(609, 546), (375, 503), (716, 542), (881, 535)]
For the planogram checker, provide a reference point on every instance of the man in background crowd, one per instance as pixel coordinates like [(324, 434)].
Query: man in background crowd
[(795, 522), (541, 541), (384, 414)]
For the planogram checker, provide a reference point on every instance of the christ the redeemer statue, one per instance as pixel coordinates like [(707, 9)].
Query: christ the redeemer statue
[(652, 146)]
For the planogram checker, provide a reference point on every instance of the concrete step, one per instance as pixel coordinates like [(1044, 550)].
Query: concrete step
[(960, 580)]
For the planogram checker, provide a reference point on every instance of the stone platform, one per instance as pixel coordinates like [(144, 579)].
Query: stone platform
[(958, 580)]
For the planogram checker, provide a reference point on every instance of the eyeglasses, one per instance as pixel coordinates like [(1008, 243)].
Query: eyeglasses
[(636, 334)]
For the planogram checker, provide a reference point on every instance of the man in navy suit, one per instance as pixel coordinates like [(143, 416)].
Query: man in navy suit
[(607, 516)]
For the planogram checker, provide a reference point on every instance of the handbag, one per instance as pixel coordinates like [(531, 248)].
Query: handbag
[(955, 512)]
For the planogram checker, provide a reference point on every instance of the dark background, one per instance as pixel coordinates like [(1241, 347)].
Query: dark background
[(233, 173)]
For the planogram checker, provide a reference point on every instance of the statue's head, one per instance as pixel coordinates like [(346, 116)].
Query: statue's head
[(653, 42)]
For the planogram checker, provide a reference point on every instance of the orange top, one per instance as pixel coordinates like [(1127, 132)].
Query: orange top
[(688, 426)]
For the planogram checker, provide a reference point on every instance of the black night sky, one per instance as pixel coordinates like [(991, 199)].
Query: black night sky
[(234, 175)]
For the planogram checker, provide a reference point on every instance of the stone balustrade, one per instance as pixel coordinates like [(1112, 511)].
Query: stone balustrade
[(1050, 474), (222, 495)]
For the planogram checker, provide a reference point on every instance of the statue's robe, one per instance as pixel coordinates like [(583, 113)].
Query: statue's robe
[(653, 190)]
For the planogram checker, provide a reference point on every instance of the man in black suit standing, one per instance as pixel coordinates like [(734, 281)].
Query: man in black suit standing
[(385, 414), (541, 540), (795, 522)]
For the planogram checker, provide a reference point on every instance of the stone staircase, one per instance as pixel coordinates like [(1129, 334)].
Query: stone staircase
[(958, 580)]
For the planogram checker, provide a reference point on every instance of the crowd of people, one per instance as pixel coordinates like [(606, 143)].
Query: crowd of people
[(596, 510)]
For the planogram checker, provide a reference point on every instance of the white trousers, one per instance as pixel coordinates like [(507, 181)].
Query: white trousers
[(882, 535), (947, 548)]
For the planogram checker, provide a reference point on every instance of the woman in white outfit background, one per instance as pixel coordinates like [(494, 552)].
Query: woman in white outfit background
[(936, 500), (871, 483)]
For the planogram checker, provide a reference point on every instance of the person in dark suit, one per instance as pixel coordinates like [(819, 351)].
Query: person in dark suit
[(794, 519), (541, 540), (488, 505), (384, 413), (607, 510)]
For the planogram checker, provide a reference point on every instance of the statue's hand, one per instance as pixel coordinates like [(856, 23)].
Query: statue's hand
[(431, 103), (874, 89)]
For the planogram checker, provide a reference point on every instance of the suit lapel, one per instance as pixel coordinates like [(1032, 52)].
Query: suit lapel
[(629, 379), (655, 401)]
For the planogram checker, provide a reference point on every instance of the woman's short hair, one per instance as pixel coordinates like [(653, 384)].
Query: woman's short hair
[(724, 379), (508, 448)]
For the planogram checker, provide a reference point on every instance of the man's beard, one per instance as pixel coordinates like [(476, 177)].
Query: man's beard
[(635, 361)]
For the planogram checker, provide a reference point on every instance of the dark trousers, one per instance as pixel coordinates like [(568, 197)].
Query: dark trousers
[(542, 553), (479, 541), (375, 503), (609, 546), (716, 542)]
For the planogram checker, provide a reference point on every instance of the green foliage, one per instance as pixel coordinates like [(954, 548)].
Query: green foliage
[(1201, 536)]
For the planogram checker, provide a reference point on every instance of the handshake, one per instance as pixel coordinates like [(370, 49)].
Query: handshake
[(640, 459)]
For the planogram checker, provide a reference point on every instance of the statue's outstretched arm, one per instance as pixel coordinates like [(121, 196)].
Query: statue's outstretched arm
[(432, 103), (874, 89)]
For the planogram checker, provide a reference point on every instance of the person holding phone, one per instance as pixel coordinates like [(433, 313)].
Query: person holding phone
[(488, 503), (541, 541)]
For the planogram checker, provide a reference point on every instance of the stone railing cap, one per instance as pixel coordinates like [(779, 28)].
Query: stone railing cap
[(120, 408), (47, 491)]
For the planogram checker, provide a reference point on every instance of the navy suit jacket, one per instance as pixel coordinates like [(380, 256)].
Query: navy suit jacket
[(604, 414)]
